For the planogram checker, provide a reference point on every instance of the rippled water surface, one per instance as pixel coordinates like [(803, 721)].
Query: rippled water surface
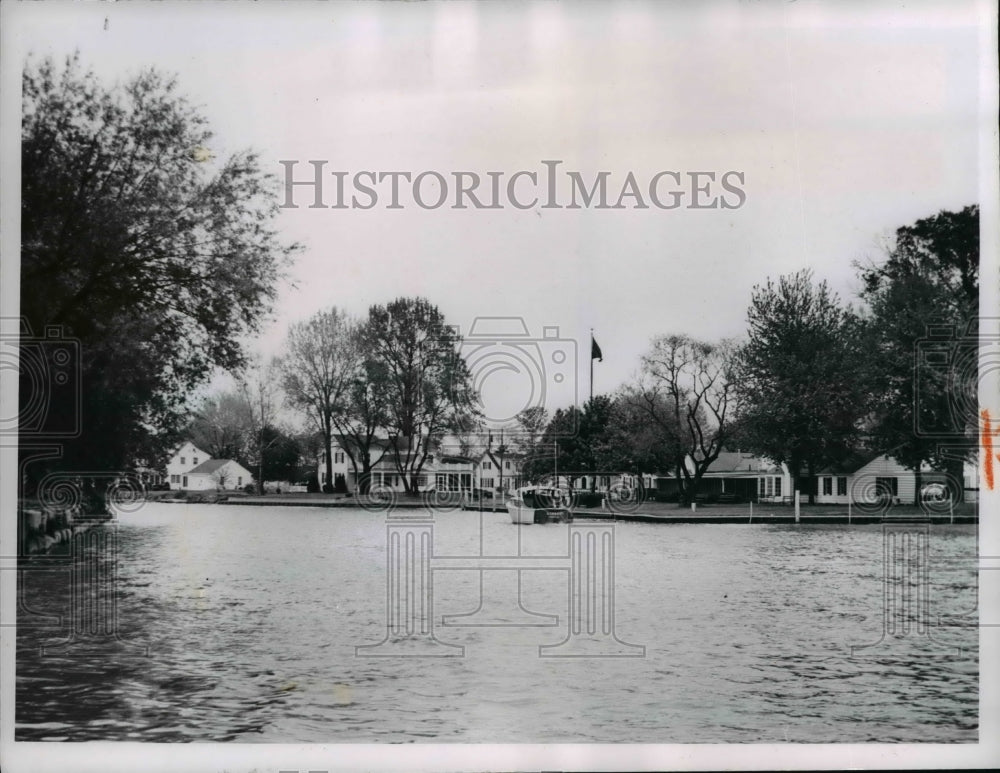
[(250, 618)]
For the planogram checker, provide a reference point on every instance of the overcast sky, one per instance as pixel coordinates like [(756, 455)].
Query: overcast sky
[(845, 120)]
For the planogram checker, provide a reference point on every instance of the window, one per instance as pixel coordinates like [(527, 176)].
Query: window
[(506, 465), (421, 481), (175, 478), (183, 460), (841, 487), (322, 478), (887, 487), (487, 466), (487, 482), (239, 480), (338, 457), (777, 487), (770, 486), (195, 460), (827, 486)]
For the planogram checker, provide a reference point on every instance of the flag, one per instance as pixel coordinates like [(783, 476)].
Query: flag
[(595, 351)]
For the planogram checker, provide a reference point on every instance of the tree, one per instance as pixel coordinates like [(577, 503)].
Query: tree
[(575, 443), (222, 426), (926, 411), (364, 417), (803, 376), (281, 462), (258, 385), (428, 387), (323, 361), (156, 257), (557, 449), (687, 390), (643, 434)]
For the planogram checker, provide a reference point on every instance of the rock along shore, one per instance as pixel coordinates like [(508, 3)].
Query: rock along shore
[(42, 528)]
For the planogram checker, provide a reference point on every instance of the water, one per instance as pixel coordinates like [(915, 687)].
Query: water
[(251, 617)]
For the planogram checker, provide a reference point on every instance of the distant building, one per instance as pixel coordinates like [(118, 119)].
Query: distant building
[(869, 479), (185, 459), (738, 477), (451, 467), (191, 469), (218, 475)]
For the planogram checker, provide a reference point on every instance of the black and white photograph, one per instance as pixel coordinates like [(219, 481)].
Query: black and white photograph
[(499, 386)]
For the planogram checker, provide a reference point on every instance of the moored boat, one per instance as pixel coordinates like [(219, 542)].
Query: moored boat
[(539, 504)]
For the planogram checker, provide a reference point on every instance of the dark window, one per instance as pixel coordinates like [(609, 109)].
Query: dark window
[(842, 487), (827, 486), (777, 487), (887, 487)]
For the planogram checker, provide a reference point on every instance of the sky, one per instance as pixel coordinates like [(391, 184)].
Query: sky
[(845, 121)]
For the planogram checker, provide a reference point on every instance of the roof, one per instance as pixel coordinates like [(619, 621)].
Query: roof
[(207, 468), (180, 447), (455, 459), (736, 461), (849, 464)]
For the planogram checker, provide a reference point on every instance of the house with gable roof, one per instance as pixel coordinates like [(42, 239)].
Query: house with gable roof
[(218, 475)]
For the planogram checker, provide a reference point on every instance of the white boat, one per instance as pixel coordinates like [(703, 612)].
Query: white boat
[(539, 504)]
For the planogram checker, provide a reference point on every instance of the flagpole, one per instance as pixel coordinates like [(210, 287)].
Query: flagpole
[(591, 364)]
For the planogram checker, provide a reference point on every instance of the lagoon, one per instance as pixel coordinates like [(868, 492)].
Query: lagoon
[(243, 623)]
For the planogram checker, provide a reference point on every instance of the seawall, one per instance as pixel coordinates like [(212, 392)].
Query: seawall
[(44, 528)]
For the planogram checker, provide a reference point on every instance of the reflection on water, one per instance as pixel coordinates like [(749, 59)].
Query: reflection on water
[(241, 624)]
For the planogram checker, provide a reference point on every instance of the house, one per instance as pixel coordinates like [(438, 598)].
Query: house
[(735, 476), (217, 474), (452, 466), (184, 459), (869, 479)]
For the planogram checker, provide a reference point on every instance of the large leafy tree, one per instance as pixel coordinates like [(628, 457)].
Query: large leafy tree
[(139, 243), (924, 300), (803, 379), (427, 385)]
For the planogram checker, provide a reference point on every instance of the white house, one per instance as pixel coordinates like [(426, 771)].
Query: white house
[(217, 475), (185, 459), (450, 467), (869, 479)]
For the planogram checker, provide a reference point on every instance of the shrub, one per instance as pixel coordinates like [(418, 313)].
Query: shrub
[(250, 488), (312, 484)]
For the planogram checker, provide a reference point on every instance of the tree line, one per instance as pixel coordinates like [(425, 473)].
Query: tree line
[(815, 382), (388, 386), (146, 260)]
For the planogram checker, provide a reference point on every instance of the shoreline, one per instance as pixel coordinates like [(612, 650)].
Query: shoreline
[(43, 529), (719, 514)]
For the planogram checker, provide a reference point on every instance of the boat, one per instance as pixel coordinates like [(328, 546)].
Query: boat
[(539, 504)]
